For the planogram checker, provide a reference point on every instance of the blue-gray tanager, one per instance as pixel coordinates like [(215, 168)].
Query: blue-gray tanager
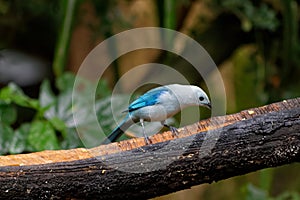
[(158, 104)]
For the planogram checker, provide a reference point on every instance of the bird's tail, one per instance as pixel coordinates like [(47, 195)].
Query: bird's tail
[(117, 132)]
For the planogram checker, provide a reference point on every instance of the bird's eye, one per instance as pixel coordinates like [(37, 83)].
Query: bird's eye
[(201, 98)]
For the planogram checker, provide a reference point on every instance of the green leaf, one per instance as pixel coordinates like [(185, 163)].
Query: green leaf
[(252, 16), (6, 136), (8, 113), (18, 143), (67, 103), (59, 125), (103, 89), (288, 195), (71, 140), (255, 193), (106, 114), (47, 100), (64, 106), (42, 136), (65, 82), (13, 94)]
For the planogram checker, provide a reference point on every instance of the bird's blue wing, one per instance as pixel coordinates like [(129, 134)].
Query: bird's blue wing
[(148, 99)]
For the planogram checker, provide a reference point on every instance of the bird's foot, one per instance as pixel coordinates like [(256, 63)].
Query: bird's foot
[(174, 130), (147, 140)]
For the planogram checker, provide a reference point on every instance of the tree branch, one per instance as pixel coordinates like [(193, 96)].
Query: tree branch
[(210, 150)]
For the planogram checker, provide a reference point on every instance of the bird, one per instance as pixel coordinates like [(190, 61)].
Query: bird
[(159, 104)]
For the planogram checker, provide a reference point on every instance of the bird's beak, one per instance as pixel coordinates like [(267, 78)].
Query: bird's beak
[(208, 105)]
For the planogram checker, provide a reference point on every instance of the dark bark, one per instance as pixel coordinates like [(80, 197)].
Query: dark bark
[(254, 139)]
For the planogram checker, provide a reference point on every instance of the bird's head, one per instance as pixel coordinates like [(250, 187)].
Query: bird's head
[(202, 98)]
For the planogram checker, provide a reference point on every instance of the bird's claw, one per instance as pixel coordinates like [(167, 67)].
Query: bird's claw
[(174, 131), (147, 140)]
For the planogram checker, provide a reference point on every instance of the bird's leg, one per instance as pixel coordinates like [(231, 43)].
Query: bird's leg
[(172, 128), (144, 132)]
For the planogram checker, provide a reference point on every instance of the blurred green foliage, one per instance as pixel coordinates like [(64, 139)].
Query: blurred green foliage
[(64, 36), (245, 63), (269, 63), (52, 126), (255, 193), (259, 16)]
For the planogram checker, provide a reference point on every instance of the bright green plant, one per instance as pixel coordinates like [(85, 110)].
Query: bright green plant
[(52, 126)]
